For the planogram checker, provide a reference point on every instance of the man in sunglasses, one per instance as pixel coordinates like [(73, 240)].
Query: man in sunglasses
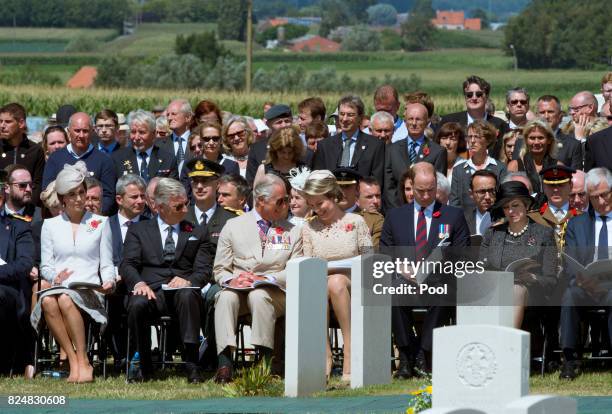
[(254, 247), (517, 107), (476, 90), (18, 189), (16, 148)]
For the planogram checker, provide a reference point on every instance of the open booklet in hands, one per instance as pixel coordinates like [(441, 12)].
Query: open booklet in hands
[(76, 285), (239, 283), (600, 269)]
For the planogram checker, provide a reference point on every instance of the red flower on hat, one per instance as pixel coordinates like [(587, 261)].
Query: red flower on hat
[(436, 214), (279, 230)]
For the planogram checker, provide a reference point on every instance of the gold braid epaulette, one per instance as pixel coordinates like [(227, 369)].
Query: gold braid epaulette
[(234, 210), (27, 219)]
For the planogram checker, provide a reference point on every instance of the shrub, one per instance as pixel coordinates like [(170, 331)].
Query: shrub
[(360, 38), (82, 44), (255, 381)]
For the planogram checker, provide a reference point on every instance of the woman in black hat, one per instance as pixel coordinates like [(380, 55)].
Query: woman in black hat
[(515, 237)]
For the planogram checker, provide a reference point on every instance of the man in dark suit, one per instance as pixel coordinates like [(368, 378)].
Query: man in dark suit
[(483, 187), (351, 147), (476, 91), (130, 197), (587, 239), (412, 232), (144, 157), (168, 251), (16, 252), (416, 147), (16, 148), (599, 148)]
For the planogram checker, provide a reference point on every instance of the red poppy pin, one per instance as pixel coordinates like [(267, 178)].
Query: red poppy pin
[(93, 225), (426, 151), (188, 228), (543, 208), (280, 230), (573, 212), (436, 214), (349, 227)]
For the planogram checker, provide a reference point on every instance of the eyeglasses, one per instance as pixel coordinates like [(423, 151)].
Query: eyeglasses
[(478, 94), (281, 201), (604, 195), (577, 108), (179, 207), (236, 134), (23, 186), (214, 139), (485, 191), (196, 146), (515, 102)]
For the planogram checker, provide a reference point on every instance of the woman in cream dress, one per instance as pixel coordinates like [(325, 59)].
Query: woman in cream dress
[(76, 246), (334, 235)]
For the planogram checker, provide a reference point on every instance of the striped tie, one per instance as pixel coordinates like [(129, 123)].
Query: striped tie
[(421, 235), (412, 152)]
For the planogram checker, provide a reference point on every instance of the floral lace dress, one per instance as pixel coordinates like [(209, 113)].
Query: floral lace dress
[(346, 238)]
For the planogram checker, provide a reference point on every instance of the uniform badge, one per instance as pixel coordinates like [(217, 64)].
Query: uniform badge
[(443, 231)]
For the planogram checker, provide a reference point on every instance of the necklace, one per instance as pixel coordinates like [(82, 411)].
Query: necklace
[(520, 233)]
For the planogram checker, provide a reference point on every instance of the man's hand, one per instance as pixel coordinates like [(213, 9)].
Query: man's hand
[(245, 280), (141, 288), (61, 276), (590, 284), (580, 126), (34, 274), (179, 282)]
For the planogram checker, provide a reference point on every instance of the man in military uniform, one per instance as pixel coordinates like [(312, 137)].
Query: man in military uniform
[(348, 180), (204, 176), (555, 213)]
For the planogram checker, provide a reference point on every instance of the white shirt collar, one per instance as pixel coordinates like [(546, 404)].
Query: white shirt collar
[(209, 213), (123, 219), (163, 225), (148, 151), (428, 210), (351, 209), (470, 119), (488, 161), (564, 208), (8, 211)]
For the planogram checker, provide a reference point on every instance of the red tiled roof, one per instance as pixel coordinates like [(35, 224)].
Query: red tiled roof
[(84, 78)]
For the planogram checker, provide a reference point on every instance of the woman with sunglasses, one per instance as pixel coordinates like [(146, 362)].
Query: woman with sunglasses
[(237, 139), (76, 247), (205, 141), (286, 150)]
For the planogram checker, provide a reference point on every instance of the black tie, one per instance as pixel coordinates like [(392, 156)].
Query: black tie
[(169, 247), (602, 247), (144, 168), (203, 219)]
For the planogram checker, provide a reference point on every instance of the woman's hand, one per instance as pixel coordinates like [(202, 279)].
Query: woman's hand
[(108, 287), (61, 276)]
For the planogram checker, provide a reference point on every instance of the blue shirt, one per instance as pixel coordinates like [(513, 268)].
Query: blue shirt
[(109, 148)]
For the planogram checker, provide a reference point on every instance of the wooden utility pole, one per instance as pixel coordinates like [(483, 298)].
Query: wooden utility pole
[(249, 45)]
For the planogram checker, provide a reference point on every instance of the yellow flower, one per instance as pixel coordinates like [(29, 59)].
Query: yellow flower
[(417, 392), (410, 410), (429, 389)]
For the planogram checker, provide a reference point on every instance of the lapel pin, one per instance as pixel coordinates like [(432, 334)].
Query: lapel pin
[(363, 147), (22, 155)]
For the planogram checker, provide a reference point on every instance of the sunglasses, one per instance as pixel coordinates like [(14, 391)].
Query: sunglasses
[(478, 94), (196, 146), (180, 206), (23, 186), (609, 117), (214, 139), (236, 134), (515, 102), (281, 201)]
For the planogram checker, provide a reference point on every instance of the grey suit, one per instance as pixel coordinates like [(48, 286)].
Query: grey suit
[(397, 162), (460, 185)]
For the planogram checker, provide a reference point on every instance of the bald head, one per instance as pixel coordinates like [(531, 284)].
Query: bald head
[(425, 184), (583, 103), (79, 130), (416, 119), (578, 194)]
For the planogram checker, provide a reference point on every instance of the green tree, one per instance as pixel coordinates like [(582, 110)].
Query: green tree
[(203, 45), (337, 13), (360, 38), (417, 32), (232, 20), (359, 8), (423, 8), (390, 40), (382, 15), (482, 15)]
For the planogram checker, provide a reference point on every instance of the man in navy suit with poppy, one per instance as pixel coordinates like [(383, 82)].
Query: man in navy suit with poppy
[(172, 251), (412, 232)]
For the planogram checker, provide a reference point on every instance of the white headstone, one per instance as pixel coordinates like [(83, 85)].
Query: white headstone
[(306, 321), (480, 366), (486, 299), (370, 329), (542, 404)]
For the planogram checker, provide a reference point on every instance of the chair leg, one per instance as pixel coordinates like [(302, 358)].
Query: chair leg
[(127, 356), (164, 333)]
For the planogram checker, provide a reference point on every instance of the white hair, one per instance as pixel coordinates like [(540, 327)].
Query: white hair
[(382, 116), (167, 188), (185, 106), (596, 176), (142, 117), (129, 179), (265, 186)]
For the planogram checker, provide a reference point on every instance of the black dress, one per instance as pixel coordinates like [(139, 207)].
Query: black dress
[(499, 248)]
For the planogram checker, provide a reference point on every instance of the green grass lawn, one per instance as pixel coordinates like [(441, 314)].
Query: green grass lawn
[(49, 34), (176, 387)]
